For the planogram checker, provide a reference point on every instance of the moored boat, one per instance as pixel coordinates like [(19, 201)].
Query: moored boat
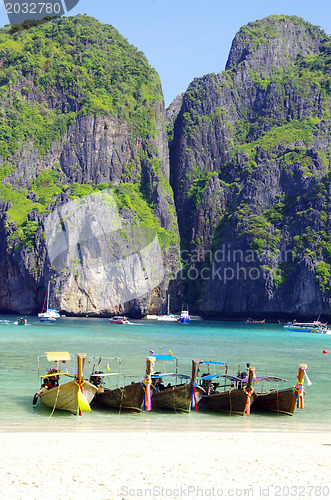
[(73, 396), (122, 393), (249, 320), (310, 327), (49, 315), (281, 401), (227, 393), (182, 396), (184, 317), (168, 316)]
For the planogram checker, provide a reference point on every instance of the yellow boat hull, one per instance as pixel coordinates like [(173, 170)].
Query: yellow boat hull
[(65, 397)]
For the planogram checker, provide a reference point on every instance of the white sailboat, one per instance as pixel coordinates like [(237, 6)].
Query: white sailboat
[(50, 315), (166, 317)]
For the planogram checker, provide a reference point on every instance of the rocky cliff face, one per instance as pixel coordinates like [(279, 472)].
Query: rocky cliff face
[(85, 199), (250, 162)]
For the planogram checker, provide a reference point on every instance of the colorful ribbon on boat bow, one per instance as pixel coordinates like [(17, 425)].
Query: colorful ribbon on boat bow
[(83, 404), (254, 376), (248, 400), (194, 403), (146, 385), (298, 392)]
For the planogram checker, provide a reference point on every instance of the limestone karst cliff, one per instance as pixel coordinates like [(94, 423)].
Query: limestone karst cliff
[(250, 163), (85, 199), (90, 193)]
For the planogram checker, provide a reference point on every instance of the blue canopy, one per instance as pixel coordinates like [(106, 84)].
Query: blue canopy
[(164, 357), (219, 363)]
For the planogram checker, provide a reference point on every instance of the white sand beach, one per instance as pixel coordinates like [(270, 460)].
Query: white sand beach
[(167, 465)]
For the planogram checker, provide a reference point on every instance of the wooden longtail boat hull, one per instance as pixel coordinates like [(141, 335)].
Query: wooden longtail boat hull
[(277, 401), (128, 398), (232, 401), (177, 397), (64, 397)]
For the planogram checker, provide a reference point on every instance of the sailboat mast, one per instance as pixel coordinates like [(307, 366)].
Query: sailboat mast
[(168, 305), (47, 297)]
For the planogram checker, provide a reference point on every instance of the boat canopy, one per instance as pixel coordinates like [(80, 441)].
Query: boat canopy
[(238, 379), (58, 356), (162, 357), (219, 363), (96, 374), (161, 375), (267, 378), (216, 375)]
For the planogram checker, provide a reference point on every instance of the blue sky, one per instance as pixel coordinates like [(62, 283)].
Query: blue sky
[(185, 39)]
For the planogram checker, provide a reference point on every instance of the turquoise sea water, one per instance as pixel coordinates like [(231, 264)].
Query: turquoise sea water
[(222, 341)]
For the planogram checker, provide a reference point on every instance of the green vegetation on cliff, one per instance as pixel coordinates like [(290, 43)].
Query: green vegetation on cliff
[(76, 66), (54, 73), (266, 29), (264, 128)]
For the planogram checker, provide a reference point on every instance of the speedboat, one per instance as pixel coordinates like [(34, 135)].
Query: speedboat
[(119, 320), (312, 327)]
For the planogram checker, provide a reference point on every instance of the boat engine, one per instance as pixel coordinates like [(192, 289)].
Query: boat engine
[(242, 375), (158, 383), (51, 382), (95, 380)]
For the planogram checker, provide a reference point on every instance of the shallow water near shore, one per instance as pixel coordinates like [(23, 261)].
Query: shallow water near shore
[(232, 342)]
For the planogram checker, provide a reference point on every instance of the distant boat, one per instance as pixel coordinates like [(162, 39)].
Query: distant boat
[(168, 316), (312, 327), (50, 315), (255, 321), (73, 396), (22, 321), (184, 317), (119, 320)]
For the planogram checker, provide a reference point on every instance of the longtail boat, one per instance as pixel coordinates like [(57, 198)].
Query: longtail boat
[(282, 401), (123, 394), (74, 396), (249, 320), (182, 396), (227, 393)]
